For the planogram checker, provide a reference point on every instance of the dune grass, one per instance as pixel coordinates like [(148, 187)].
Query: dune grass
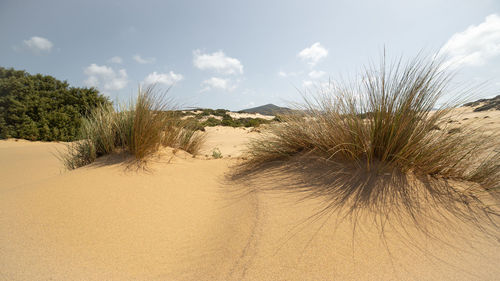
[(390, 118), (140, 128), (381, 142)]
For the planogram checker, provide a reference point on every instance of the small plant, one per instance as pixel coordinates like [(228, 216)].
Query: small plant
[(216, 154)]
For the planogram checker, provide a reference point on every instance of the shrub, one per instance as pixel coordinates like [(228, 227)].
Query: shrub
[(207, 112), (253, 122), (140, 129), (211, 122), (227, 120), (192, 122), (220, 112), (40, 107)]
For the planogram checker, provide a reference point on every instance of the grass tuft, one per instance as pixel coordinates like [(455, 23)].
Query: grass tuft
[(140, 128), (390, 118), (359, 144)]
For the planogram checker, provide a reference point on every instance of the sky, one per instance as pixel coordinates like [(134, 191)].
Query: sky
[(239, 54)]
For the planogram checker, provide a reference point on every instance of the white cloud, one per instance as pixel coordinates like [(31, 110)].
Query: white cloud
[(105, 78), (38, 44), (218, 83), (307, 83), (218, 62), (316, 74), (116, 59), (168, 79), (475, 45), (313, 54), (289, 74), (142, 60)]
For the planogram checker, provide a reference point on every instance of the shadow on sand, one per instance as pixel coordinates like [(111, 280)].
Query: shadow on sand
[(435, 207)]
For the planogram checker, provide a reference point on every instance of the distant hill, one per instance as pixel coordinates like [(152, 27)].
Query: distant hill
[(485, 104), (268, 109)]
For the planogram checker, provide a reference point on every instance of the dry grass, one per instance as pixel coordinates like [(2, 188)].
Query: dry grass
[(140, 128), (374, 144), (389, 118)]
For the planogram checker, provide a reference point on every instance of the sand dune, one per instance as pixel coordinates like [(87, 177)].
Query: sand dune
[(23, 162), (104, 222), (183, 220), (229, 141)]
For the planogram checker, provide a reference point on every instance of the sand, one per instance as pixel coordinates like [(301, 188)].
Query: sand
[(23, 162), (183, 220), (231, 142)]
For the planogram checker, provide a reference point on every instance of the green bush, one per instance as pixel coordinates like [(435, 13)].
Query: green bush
[(253, 122), (208, 112), (211, 122), (220, 112), (40, 107), (194, 124), (227, 120)]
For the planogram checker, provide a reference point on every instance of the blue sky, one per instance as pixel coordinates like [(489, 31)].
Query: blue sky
[(239, 54)]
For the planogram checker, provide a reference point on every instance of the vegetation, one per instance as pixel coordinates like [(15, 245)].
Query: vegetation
[(224, 119), (485, 104), (140, 129), (216, 112), (227, 121), (362, 144), (40, 107), (391, 122), (216, 154)]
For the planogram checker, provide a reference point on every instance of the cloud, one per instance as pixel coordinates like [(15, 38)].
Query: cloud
[(316, 74), (217, 83), (105, 78), (168, 79), (475, 45), (289, 74), (142, 60), (218, 62), (116, 59), (307, 83), (313, 54), (38, 45)]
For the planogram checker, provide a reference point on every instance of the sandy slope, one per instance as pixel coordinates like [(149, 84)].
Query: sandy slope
[(229, 141), (104, 222), (22, 162), (182, 220)]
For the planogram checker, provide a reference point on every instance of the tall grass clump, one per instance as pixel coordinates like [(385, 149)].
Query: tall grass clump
[(140, 128), (359, 142), (387, 120)]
